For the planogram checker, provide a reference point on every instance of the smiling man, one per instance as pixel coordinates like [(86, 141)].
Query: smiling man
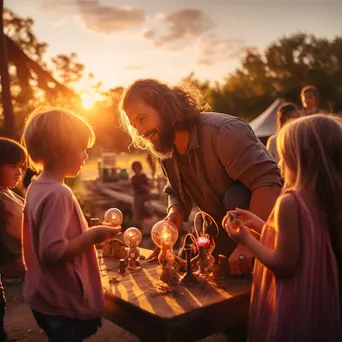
[(210, 159)]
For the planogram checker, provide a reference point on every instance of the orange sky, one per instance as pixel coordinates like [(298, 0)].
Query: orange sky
[(122, 40)]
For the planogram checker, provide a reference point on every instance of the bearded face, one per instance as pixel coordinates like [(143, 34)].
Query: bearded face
[(160, 140), (152, 130)]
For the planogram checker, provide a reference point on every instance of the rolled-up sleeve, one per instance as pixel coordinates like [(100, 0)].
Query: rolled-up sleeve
[(172, 197), (54, 221), (244, 157)]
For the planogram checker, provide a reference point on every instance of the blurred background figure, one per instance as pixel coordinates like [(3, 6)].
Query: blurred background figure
[(141, 189), (310, 101), (286, 112), (152, 162)]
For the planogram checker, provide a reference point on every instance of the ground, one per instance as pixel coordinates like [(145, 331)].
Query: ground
[(21, 326)]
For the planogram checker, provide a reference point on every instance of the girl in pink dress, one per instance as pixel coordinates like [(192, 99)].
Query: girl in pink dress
[(295, 293)]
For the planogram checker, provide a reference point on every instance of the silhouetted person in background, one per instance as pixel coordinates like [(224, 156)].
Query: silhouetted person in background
[(286, 112)]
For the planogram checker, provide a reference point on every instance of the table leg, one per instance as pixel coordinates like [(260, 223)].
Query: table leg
[(237, 334)]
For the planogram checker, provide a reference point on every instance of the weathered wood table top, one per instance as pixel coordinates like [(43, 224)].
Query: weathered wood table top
[(136, 302)]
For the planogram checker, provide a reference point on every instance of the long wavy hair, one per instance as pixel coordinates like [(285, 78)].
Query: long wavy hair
[(179, 107), (310, 149)]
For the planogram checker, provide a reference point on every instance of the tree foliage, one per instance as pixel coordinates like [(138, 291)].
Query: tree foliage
[(281, 71), (21, 31), (67, 69)]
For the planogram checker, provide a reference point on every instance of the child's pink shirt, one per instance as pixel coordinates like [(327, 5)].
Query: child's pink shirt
[(73, 289)]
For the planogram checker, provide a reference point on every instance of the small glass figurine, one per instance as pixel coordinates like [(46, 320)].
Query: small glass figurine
[(165, 234), (206, 261), (206, 245), (132, 238), (114, 216)]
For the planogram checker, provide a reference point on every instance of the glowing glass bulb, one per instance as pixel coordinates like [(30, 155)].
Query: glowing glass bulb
[(132, 236), (164, 234), (203, 241), (114, 216)]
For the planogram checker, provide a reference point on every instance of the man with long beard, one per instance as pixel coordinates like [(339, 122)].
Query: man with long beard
[(210, 159)]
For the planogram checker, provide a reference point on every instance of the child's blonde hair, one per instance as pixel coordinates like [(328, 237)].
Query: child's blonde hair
[(310, 149), (50, 133)]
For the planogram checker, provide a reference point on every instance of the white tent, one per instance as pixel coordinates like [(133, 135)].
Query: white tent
[(265, 124)]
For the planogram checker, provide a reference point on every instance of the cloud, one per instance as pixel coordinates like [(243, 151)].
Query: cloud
[(107, 18), (134, 67), (57, 5), (181, 27), (61, 22), (149, 34), (214, 49)]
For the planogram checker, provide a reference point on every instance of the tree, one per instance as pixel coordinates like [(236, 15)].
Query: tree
[(5, 81), (67, 69), (281, 71), (30, 81), (21, 31)]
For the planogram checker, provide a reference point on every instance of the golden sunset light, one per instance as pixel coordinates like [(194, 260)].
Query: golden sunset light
[(212, 128), (87, 101)]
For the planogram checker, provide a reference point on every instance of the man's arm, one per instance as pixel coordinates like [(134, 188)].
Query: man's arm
[(175, 214), (246, 159), (172, 198), (263, 200), (175, 209)]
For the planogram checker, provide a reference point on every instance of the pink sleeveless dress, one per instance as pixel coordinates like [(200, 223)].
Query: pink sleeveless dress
[(304, 307)]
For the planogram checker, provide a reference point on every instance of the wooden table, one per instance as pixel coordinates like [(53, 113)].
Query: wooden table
[(133, 302)]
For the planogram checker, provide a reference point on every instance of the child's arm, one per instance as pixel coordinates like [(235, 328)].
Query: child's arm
[(284, 258), (85, 240), (146, 185), (55, 244)]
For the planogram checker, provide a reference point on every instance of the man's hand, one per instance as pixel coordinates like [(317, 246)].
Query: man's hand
[(154, 254), (176, 216), (241, 261)]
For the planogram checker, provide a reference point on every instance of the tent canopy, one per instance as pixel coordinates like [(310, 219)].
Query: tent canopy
[(265, 124)]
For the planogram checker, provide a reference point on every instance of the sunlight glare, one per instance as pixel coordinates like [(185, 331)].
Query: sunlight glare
[(87, 101)]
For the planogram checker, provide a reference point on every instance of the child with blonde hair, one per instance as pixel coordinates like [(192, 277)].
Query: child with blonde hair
[(12, 159), (297, 273), (63, 284)]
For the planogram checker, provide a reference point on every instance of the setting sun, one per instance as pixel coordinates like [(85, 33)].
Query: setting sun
[(87, 101)]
